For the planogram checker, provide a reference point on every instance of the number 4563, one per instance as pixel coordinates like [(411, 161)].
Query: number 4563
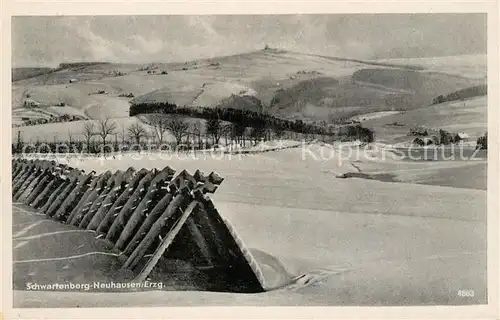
[(465, 293)]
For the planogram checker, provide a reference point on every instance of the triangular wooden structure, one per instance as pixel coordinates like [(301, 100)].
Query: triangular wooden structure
[(153, 217)]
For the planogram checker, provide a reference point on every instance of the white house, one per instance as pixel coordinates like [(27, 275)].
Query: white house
[(29, 103), (463, 136)]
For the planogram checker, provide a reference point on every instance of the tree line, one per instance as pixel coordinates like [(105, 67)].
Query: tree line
[(52, 119), (239, 117), (244, 127), (475, 91), (105, 136), (356, 132), (152, 135)]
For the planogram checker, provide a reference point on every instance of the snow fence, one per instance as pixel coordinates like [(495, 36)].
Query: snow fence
[(148, 215)]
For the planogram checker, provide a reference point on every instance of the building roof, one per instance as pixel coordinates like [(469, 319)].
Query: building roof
[(31, 101)]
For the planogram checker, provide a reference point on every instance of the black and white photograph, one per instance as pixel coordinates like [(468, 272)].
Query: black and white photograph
[(249, 160)]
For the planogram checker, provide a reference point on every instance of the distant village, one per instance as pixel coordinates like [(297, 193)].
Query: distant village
[(428, 136)]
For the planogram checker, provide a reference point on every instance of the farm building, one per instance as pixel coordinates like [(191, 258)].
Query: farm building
[(423, 141), (462, 136), (73, 80), (29, 103)]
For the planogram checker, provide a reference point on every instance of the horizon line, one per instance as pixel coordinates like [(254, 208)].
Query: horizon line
[(278, 50)]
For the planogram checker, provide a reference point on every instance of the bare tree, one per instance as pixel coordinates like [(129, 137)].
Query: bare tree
[(159, 127), (70, 136), (152, 135), (257, 132), (19, 146), (137, 132), (215, 129), (227, 131), (238, 132), (106, 128), (197, 127), (278, 130), (123, 135), (116, 146), (88, 133), (178, 127)]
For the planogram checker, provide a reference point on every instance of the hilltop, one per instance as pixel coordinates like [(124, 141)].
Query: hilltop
[(285, 84)]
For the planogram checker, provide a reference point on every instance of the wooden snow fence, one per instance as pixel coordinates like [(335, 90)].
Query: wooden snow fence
[(150, 216)]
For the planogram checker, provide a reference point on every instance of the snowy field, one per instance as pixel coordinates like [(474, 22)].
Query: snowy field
[(355, 241), (469, 116), (472, 66)]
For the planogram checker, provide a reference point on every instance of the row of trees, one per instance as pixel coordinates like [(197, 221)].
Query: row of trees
[(239, 117), (215, 129), (356, 132), (51, 119), (475, 91), (188, 134), (196, 134)]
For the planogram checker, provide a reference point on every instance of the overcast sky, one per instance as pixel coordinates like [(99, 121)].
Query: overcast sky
[(51, 40)]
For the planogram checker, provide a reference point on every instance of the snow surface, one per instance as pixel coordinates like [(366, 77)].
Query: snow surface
[(350, 241)]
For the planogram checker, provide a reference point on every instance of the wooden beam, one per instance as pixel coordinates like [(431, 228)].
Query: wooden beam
[(23, 197), (62, 196), (153, 233), (153, 194), (114, 210), (90, 197), (120, 187), (22, 179), (88, 191), (60, 187), (165, 243), (37, 173), (94, 207), (39, 200), (82, 184), (129, 207), (153, 216), (39, 188)]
